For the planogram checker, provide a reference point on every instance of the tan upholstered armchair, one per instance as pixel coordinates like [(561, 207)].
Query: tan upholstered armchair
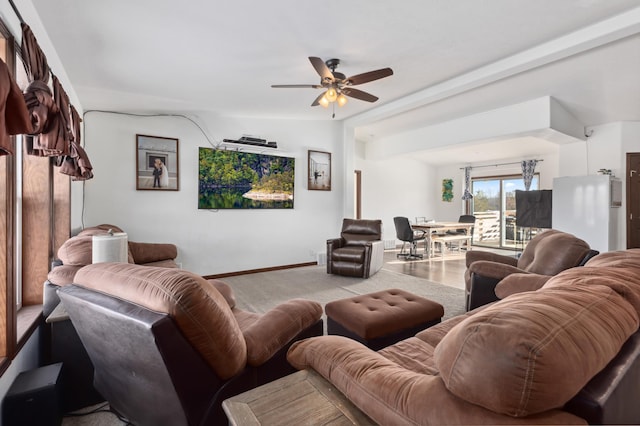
[(359, 252), (547, 254), (169, 346)]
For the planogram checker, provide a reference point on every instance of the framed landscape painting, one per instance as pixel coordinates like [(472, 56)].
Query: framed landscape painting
[(319, 173), (156, 163)]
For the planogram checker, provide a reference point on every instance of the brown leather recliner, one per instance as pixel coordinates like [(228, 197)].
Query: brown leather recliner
[(168, 346), (359, 252), (548, 253)]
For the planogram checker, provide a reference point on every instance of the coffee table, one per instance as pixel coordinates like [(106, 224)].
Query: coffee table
[(302, 398)]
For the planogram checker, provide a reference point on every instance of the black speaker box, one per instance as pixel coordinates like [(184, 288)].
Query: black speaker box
[(34, 398)]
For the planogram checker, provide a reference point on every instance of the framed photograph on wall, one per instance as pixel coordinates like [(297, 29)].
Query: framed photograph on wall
[(156, 163), (319, 173)]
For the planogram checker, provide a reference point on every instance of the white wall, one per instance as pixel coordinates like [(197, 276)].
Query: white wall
[(211, 242), (606, 148), (395, 187)]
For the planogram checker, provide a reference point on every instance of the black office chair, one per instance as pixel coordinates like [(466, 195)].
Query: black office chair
[(406, 234)]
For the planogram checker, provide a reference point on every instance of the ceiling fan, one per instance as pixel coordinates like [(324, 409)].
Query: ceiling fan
[(337, 85)]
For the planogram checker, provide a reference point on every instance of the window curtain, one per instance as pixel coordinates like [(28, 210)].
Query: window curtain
[(14, 116), (467, 184), (76, 164), (56, 123), (528, 170)]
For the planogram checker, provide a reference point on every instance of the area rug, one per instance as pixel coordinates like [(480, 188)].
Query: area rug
[(262, 291)]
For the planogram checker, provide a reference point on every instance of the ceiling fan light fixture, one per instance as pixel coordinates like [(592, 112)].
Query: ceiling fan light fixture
[(324, 101), (342, 100), (331, 94)]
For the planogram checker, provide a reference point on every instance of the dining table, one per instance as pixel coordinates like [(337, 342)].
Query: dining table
[(437, 231)]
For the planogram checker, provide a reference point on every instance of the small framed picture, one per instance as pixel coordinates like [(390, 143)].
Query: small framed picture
[(157, 163), (319, 174)]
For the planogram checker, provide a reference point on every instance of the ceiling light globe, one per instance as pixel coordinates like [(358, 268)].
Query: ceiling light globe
[(323, 101), (331, 94), (342, 99)]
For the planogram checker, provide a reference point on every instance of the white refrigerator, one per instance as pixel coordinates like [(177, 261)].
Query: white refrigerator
[(587, 207)]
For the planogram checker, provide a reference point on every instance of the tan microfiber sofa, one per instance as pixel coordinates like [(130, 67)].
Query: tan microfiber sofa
[(169, 346), (530, 358), (548, 253), (77, 252)]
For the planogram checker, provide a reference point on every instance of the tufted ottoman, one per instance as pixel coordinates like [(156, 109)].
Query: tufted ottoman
[(383, 318)]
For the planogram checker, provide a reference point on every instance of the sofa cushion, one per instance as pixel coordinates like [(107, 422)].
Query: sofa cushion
[(349, 254), (361, 231), (76, 250), (543, 258), (518, 283), (63, 274), (99, 229), (144, 253), (393, 395), (624, 281), (534, 351), (199, 310), (623, 258)]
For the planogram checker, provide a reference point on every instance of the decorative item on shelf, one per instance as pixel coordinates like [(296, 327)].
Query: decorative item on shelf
[(447, 190), (605, 172), (251, 140), (110, 247)]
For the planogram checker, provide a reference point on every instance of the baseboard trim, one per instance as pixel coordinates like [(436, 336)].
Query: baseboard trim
[(255, 271)]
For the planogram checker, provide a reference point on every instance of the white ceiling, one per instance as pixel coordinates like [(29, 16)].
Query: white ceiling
[(450, 58)]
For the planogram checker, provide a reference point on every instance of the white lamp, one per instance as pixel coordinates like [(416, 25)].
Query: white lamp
[(110, 247)]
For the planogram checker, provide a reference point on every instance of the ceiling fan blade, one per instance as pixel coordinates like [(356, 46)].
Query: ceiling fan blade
[(321, 68), (359, 94), (296, 86), (317, 100), (369, 76)]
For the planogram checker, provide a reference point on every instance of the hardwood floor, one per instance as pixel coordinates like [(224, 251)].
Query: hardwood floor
[(448, 270)]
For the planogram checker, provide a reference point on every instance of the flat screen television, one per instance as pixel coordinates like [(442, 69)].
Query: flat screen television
[(244, 180)]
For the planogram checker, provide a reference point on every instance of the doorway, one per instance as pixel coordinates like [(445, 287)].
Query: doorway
[(357, 181), (494, 206), (633, 200)]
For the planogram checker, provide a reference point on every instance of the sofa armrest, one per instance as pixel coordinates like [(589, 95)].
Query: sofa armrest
[(332, 244), (476, 255), (483, 278), (390, 394), (518, 283), (277, 327), (375, 249), (152, 252), (226, 291), (492, 269)]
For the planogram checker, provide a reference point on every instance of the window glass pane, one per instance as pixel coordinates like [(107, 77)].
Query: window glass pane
[(5, 221), (494, 205)]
